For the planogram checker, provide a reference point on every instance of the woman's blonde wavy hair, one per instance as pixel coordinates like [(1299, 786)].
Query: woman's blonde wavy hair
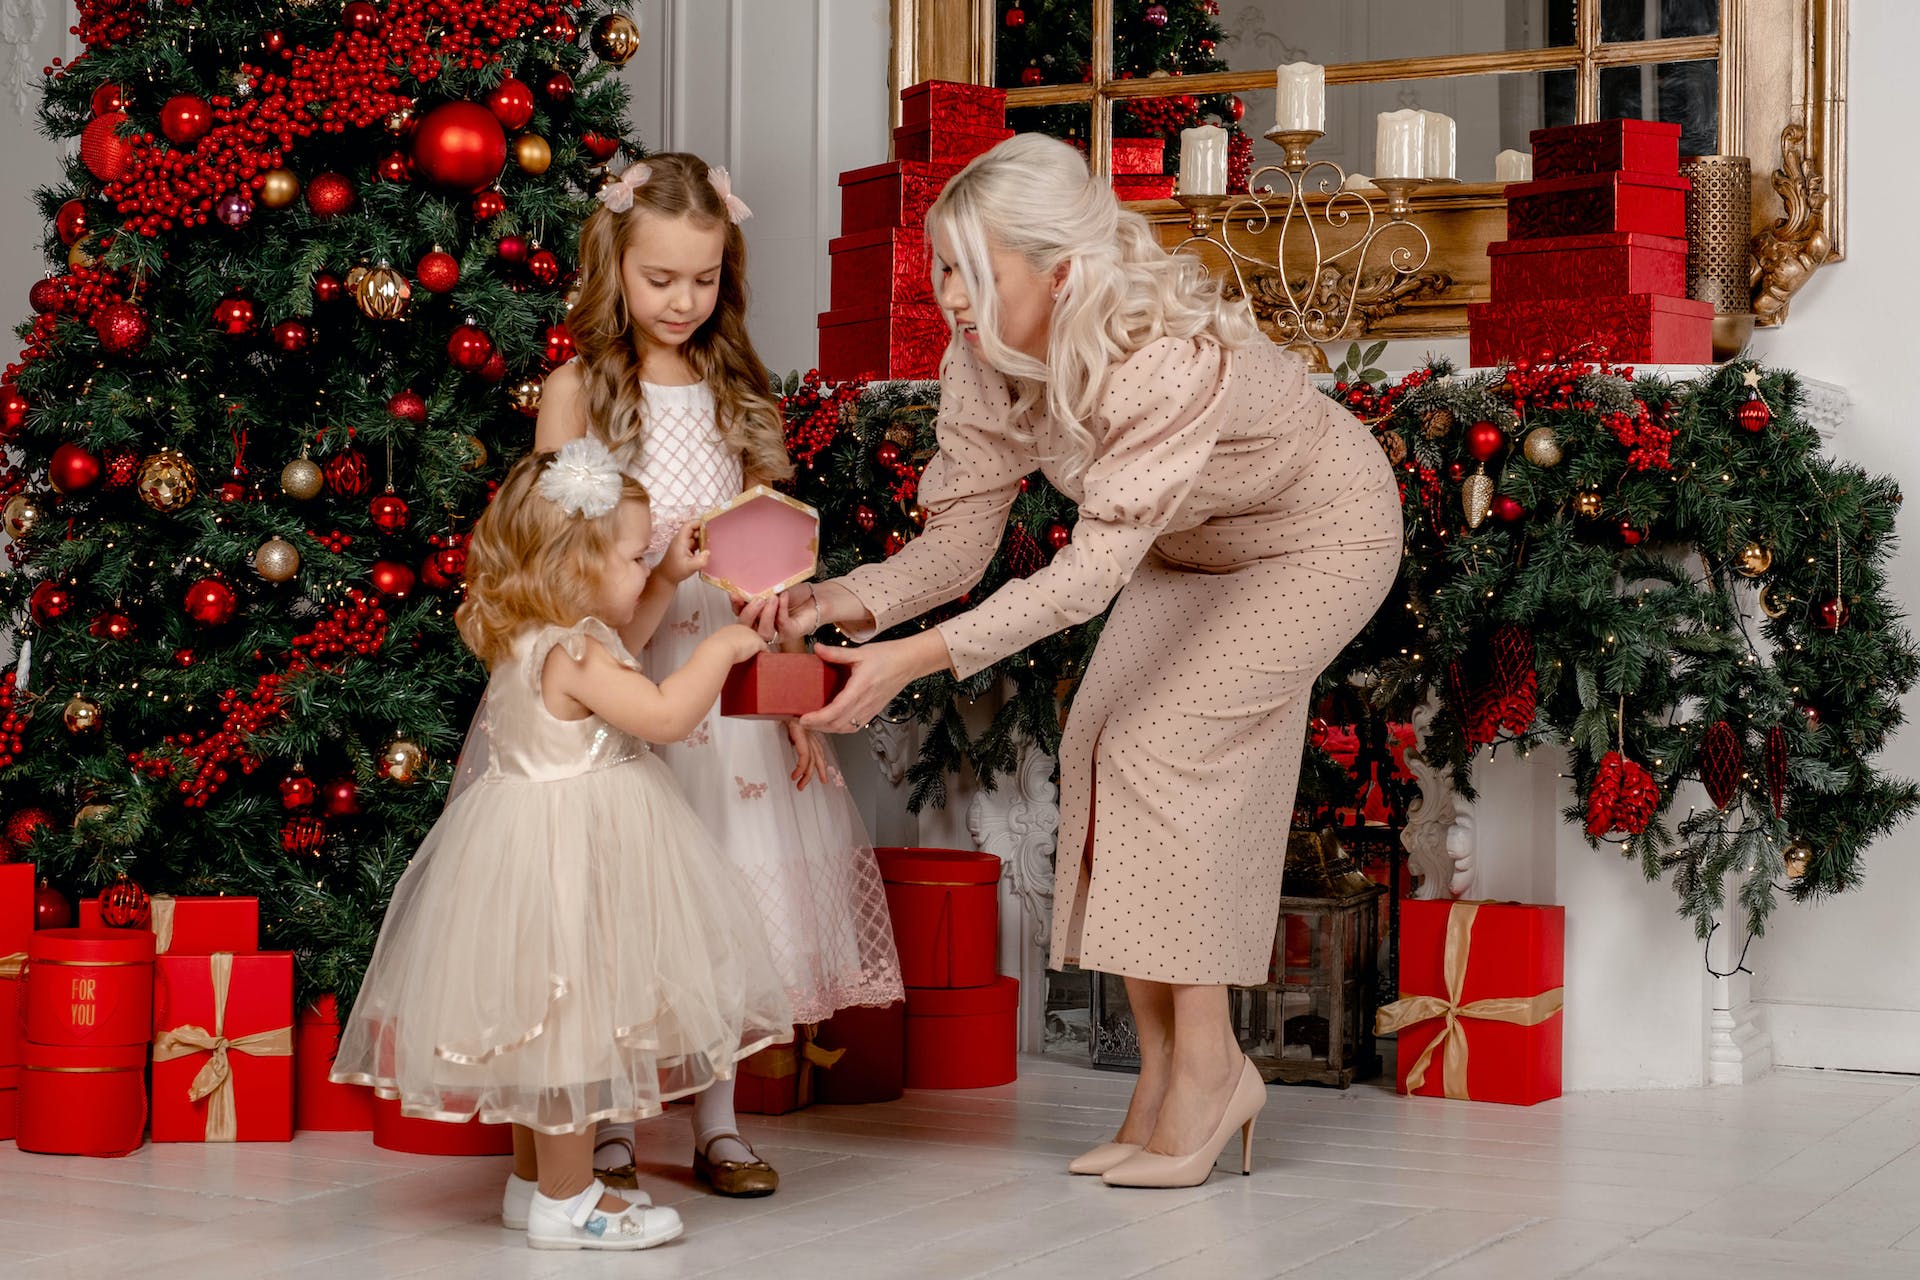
[(529, 562), (1034, 196), (609, 344)]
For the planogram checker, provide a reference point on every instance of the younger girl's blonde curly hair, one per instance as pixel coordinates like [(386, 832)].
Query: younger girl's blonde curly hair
[(530, 563)]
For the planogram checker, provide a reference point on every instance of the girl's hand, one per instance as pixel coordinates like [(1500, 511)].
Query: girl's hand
[(737, 642), (761, 613), (684, 558), (877, 673), (810, 750), (797, 615)]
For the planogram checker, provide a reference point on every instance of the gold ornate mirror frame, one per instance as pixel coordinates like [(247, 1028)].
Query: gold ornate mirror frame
[(1783, 104)]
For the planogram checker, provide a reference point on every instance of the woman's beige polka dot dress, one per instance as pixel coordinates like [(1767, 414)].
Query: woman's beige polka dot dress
[(1250, 527)]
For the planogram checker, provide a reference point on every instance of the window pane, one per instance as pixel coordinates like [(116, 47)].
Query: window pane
[(1683, 93), (1042, 42), (1261, 34), (1623, 20)]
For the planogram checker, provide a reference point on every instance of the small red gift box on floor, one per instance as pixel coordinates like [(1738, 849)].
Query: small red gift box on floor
[(1480, 998), (776, 686), (939, 144), (16, 930), (899, 340), (9, 1101), (1597, 203), (1604, 146), (90, 987), (895, 194), (873, 1044), (87, 1101), (319, 1103), (194, 926), (223, 1048), (965, 1038), (1637, 328), (1599, 266), (885, 266), (781, 1077), (393, 1131), (951, 104), (945, 907)]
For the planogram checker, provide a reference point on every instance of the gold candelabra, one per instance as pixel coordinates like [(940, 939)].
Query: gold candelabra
[(1314, 294)]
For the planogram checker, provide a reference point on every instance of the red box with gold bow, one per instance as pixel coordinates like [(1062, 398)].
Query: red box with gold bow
[(223, 1047), (194, 926), (1479, 1013), (779, 1078), (16, 928)]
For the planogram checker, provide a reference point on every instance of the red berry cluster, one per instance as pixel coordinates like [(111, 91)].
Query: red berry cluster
[(1649, 445), (814, 414), (334, 541), (1162, 117), (12, 725), (104, 23), (1624, 797), (1551, 383), (81, 292), (1371, 404), (359, 626), (210, 756)]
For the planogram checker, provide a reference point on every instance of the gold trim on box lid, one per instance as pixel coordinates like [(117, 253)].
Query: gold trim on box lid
[(753, 494)]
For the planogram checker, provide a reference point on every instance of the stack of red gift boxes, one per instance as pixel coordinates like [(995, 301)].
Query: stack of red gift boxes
[(962, 1015), (1136, 169), (884, 322), (1596, 257)]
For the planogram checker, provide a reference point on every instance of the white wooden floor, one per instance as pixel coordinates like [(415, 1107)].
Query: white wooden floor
[(1804, 1174)]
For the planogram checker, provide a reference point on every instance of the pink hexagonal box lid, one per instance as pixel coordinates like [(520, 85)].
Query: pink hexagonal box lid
[(762, 542)]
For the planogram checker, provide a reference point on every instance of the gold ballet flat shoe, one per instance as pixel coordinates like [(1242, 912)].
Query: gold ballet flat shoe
[(744, 1178), (623, 1175), (1101, 1158), (1150, 1169)]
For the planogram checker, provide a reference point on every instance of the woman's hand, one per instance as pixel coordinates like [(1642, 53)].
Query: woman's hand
[(876, 675), (789, 617), (684, 557), (812, 755)]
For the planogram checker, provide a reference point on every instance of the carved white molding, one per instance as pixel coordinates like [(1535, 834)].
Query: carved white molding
[(1019, 822), (1739, 1050), (893, 747), (1439, 836), (21, 25)]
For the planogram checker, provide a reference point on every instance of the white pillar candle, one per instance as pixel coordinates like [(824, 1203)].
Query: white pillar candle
[(1300, 97), (1513, 166), (1203, 161), (1400, 144), (1438, 151)]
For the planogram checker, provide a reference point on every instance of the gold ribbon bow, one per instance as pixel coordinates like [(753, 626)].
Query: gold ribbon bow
[(799, 1058), (215, 1078), (14, 965), (1526, 1011)]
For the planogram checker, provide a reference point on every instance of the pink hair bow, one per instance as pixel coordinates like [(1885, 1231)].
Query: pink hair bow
[(736, 207), (618, 194)]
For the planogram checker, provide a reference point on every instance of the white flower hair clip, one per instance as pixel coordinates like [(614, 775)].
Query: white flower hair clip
[(736, 207), (583, 479), (618, 194)]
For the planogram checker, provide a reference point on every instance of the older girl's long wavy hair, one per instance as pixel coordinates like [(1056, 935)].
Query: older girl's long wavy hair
[(1034, 196), (609, 344), (529, 562)]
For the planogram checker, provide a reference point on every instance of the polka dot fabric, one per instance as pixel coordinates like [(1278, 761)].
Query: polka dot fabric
[(1250, 528)]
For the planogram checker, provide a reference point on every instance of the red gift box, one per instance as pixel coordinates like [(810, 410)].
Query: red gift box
[(1637, 328), (318, 1102), (878, 267), (1135, 156), (223, 1047), (873, 1042), (1588, 267), (194, 926), (1596, 203), (393, 1131), (939, 144), (963, 1038), (780, 1078), (89, 1101), (1143, 186), (16, 931), (950, 104), (9, 1102), (900, 340), (1480, 996), (779, 686), (1606, 146), (89, 987), (945, 908), (895, 194)]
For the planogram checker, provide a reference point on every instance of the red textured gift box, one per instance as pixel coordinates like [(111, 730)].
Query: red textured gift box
[(1143, 186), (945, 907), (950, 104), (1588, 267), (872, 1043), (874, 268), (89, 1101), (900, 340), (895, 194), (195, 926), (89, 987), (1606, 146), (964, 1038), (779, 686), (223, 1047), (1135, 156), (1638, 328), (16, 930), (318, 1102), (393, 1131), (1499, 967), (1593, 204), (940, 144)]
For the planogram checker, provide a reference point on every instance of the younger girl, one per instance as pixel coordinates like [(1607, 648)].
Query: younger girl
[(668, 378), (568, 947)]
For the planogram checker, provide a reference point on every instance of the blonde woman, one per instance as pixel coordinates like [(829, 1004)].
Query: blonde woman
[(1243, 527)]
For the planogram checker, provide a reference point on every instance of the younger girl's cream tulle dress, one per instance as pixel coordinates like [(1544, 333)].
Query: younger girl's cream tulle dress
[(568, 945)]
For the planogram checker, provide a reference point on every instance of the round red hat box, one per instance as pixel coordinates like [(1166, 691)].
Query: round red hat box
[(90, 986), (397, 1132), (86, 1101), (318, 1103), (963, 1039), (945, 907)]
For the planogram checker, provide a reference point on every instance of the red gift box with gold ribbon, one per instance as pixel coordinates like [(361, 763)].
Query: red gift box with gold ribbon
[(1479, 1013), (780, 1077), (223, 1047), (194, 926), (16, 930)]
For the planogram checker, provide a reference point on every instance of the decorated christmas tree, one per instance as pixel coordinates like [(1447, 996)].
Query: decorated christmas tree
[(1042, 42), (311, 265)]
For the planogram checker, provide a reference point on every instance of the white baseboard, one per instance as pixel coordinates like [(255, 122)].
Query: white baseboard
[(1843, 1038)]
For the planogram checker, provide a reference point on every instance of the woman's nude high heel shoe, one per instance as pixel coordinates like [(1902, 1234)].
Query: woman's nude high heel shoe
[(1149, 1169), (1102, 1157)]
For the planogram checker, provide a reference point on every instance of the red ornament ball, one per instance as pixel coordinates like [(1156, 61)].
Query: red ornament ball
[(292, 336), (887, 455), (72, 221), (51, 910), (449, 564), (1157, 15), (865, 518), (1630, 535), (329, 195), (22, 826), (1754, 415), (297, 791), (1832, 614), (47, 296), (234, 316), (391, 579), (393, 167), (183, 658), (328, 288), (600, 146), (1457, 472), (122, 328), (438, 271), (495, 369), (122, 465), (389, 512), (13, 409), (111, 625), (72, 469), (185, 119), (894, 542), (48, 602), (235, 209), (303, 834), (408, 406), (512, 105), (1016, 19), (340, 798), (107, 155), (211, 602), (107, 99), (543, 266), (1058, 536), (1484, 441), (512, 249), (360, 16), (469, 347), (1237, 109), (558, 87), (487, 205), (346, 473), (1508, 508), (125, 905), (1032, 75), (559, 345), (459, 146), (561, 29)]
